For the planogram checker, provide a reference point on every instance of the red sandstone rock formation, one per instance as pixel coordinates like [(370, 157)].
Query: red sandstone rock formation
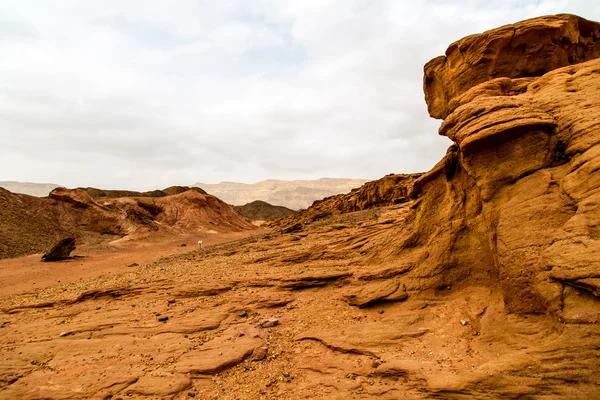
[(389, 190), (515, 201), (526, 49)]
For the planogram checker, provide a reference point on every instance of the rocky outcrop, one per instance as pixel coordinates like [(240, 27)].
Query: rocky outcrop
[(517, 192), (389, 190), (25, 229), (523, 50), (60, 251)]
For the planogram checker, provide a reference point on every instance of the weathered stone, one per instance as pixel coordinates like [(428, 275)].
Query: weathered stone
[(61, 250), (268, 323), (526, 49), (373, 292)]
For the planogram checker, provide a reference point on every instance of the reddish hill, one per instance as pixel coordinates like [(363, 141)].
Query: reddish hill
[(171, 190), (31, 224), (23, 229), (260, 210)]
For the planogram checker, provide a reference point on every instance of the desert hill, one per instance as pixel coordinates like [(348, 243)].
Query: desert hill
[(30, 224), (30, 188), (260, 210), (291, 194), (389, 190), (24, 230), (44, 189), (102, 193), (482, 283)]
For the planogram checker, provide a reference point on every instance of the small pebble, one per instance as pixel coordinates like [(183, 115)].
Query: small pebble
[(260, 353), (268, 323)]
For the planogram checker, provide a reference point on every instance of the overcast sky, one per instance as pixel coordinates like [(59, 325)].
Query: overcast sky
[(147, 94)]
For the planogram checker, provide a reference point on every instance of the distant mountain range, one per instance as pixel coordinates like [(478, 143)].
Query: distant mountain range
[(296, 195), (30, 188)]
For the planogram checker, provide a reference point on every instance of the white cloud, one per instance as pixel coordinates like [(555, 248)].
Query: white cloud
[(146, 94)]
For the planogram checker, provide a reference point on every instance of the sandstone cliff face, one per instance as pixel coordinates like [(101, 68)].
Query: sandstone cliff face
[(515, 201), (525, 49), (512, 209)]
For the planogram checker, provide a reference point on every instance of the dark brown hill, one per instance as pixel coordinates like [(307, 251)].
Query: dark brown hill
[(102, 193), (24, 230), (262, 211)]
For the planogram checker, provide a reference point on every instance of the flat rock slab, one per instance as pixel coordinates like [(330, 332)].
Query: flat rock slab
[(313, 279), (186, 324), (204, 290), (47, 384), (375, 292), (364, 339), (162, 385), (302, 280), (386, 272), (218, 355), (268, 301)]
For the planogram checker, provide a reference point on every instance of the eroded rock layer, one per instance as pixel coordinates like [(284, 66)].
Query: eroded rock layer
[(389, 190), (516, 198), (526, 49)]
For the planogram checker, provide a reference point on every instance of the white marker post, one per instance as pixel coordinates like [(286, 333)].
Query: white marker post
[(200, 243)]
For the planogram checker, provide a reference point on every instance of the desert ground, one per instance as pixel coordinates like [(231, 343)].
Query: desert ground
[(101, 256), (280, 315), (477, 279)]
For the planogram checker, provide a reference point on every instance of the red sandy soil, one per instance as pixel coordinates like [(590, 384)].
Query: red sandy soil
[(24, 274)]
